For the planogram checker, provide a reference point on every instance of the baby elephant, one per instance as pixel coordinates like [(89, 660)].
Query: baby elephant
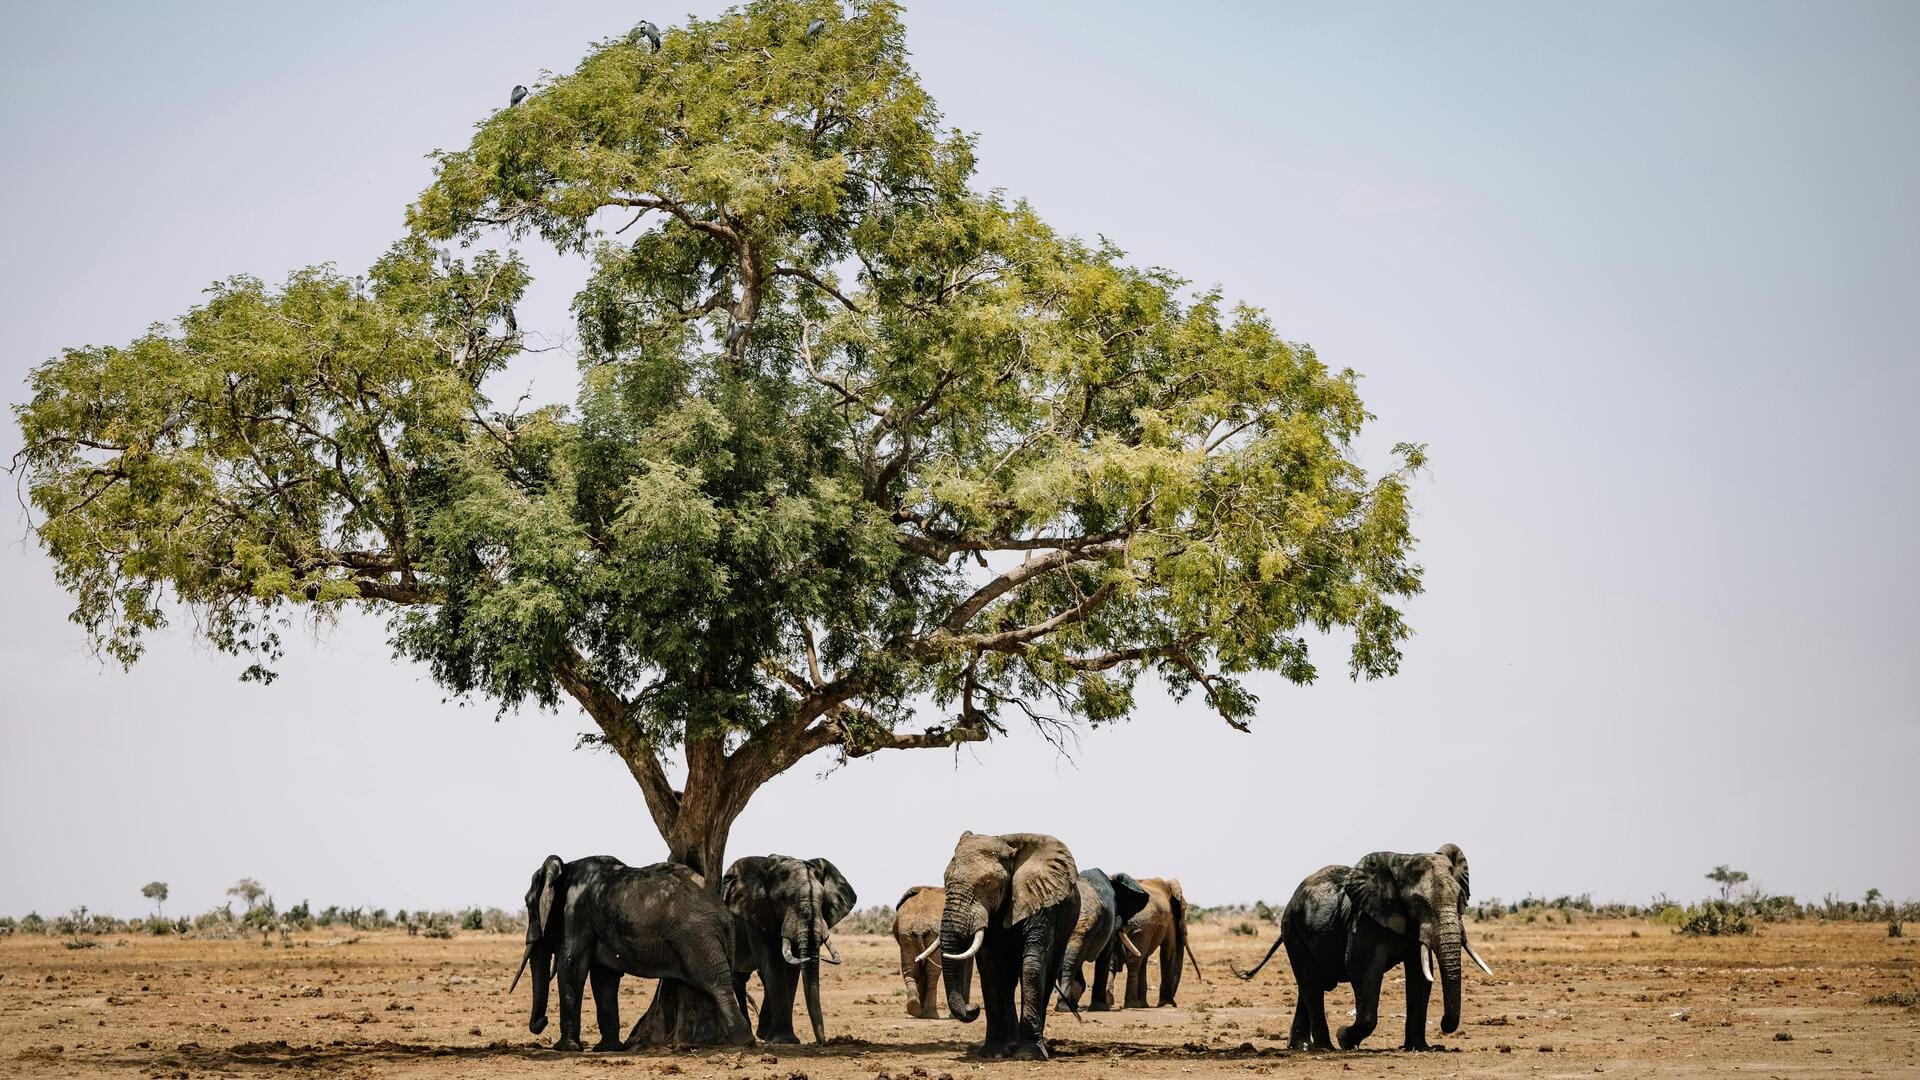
[(1355, 923)]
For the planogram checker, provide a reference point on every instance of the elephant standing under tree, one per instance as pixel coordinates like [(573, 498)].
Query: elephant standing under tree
[(600, 918), (1106, 903), (916, 927), (1355, 923), (784, 909), (1160, 926), (1011, 905)]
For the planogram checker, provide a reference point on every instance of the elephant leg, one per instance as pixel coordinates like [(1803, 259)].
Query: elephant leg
[(606, 1006), (1135, 996), (913, 974), (778, 979), (1037, 976), (1300, 1034), (1170, 961), (728, 995), (573, 983), (1366, 1008), (996, 1000), (1322, 1038), (1418, 992), (930, 990), (1102, 987)]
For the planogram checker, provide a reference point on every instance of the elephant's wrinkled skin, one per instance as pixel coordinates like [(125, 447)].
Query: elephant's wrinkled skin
[(785, 909), (599, 918), (1011, 905), (1355, 923)]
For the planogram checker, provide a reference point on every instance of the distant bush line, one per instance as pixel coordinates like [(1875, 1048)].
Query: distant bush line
[(266, 921)]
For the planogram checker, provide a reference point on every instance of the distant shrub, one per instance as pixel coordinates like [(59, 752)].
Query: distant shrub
[(501, 922), (1905, 998), (442, 931), (1244, 929), (1264, 911), (473, 919), (1715, 918), (877, 919), (8, 926), (33, 924), (1670, 914)]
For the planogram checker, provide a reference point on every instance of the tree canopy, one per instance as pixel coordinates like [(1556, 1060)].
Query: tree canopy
[(862, 457)]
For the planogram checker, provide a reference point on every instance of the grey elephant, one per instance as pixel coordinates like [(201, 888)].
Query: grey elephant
[(785, 908), (1355, 923), (1106, 903), (598, 918), (916, 929), (1012, 902)]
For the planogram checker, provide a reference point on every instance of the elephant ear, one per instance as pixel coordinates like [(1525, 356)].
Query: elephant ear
[(549, 891), (1374, 887), (836, 893), (1129, 896), (1459, 860), (911, 893), (1043, 875), (743, 887)]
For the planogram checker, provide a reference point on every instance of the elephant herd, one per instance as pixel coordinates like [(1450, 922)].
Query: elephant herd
[(1015, 908)]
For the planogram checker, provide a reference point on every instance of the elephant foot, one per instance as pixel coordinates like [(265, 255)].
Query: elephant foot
[(1100, 1006), (992, 1050), (781, 1038), (608, 1043), (1348, 1040), (1421, 1045), (567, 1045), (1027, 1051), (913, 1009)]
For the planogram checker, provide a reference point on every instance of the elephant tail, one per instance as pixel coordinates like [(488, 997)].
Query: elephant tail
[(1263, 960)]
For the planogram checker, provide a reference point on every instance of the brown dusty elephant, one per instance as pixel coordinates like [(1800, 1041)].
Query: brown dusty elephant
[(1160, 926), (916, 927), (1011, 904)]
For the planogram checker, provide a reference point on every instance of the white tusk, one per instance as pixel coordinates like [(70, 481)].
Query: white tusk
[(1476, 957), (833, 955), (1128, 942), (979, 936), (786, 953), (926, 952), (524, 957), (1426, 962)]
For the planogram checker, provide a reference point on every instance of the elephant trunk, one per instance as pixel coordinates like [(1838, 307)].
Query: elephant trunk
[(960, 932), (810, 980), (542, 975), (1449, 936)]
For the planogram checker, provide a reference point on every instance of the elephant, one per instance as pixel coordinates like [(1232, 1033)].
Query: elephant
[(1355, 923), (784, 909), (1106, 903), (1160, 925), (916, 927), (600, 918), (1011, 904)]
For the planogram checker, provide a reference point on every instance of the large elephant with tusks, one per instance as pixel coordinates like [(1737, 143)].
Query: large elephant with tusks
[(1356, 923), (1011, 905)]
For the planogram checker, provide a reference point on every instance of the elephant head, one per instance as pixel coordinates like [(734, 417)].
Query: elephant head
[(1421, 896), (996, 880), (800, 900), (543, 936)]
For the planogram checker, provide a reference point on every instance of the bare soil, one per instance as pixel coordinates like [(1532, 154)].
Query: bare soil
[(1623, 997)]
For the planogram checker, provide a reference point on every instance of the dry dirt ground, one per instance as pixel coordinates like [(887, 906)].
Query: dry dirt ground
[(1627, 998)]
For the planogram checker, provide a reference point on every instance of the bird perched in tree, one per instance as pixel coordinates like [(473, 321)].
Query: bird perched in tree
[(650, 32), (814, 27), (719, 275), (519, 95), (737, 333)]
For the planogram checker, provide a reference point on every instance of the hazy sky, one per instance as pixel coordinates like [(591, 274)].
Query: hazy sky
[(1644, 277)]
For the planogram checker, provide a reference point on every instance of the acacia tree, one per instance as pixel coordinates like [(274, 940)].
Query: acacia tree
[(855, 444)]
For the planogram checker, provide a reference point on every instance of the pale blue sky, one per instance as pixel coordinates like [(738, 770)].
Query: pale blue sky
[(1644, 276)]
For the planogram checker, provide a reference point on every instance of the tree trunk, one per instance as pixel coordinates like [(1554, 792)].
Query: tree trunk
[(681, 1014)]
